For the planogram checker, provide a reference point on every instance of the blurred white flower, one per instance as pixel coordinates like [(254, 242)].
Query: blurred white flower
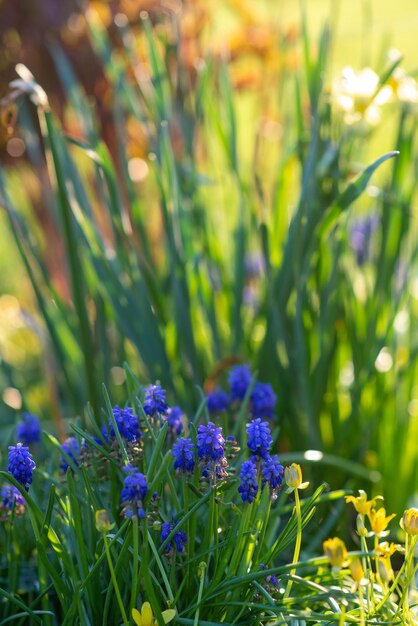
[(358, 95)]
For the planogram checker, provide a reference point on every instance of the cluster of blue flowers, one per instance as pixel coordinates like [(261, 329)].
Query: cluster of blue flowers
[(183, 453), (259, 438), (21, 464), (155, 403), (208, 453), (71, 451), (175, 420), (262, 399), (179, 538), (135, 488), (11, 500), (248, 478), (127, 423), (28, 431), (261, 463)]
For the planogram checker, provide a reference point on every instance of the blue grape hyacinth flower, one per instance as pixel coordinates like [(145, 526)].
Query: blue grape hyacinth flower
[(217, 401), (155, 403), (361, 234), (127, 423), (29, 429), (174, 419), (248, 481), (272, 472), (263, 400), (239, 381), (135, 488), (11, 498), (210, 442), (179, 539), (259, 438), (21, 464), (183, 453), (72, 449)]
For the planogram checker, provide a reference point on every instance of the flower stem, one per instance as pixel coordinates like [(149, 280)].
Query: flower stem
[(201, 574), (297, 543), (115, 582)]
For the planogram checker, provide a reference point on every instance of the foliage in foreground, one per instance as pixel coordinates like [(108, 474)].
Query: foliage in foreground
[(154, 514)]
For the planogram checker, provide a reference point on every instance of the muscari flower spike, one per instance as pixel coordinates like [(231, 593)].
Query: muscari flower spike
[(11, 498), (361, 235), (272, 472), (21, 464), (135, 488), (210, 442), (239, 381), (127, 423), (155, 402), (259, 438), (174, 419), (29, 429), (183, 453), (72, 449), (179, 539), (248, 479), (271, 579), (217, 401), (263, 400)]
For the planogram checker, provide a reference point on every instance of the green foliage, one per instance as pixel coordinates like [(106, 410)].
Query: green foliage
[(218, 255), (65, 565)]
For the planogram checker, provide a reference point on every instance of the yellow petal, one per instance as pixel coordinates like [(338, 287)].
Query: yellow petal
[(168, 615), (136, 615), (146, 614)]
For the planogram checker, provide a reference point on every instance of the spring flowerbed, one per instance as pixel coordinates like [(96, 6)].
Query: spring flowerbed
[(236, 221), (154, 517)]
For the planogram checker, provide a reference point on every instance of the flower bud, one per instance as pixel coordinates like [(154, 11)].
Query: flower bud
[(361, 527), (103, 523), (336, 551), (356, 570), (293, 477), (410, 522)]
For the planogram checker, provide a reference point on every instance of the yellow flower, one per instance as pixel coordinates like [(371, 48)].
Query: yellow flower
[(146, 617), (361, 527), (357, 571), (361, 503), (410, 522), (379, 521), (336, 551), (385, 570), (386, 549), (103, 523), (293, 477)]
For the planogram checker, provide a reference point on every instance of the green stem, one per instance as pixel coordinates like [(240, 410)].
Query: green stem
[(135, 548), (201, 574), (362, 615), (367, 567), (115, 582), (409, 561), (297, 544)]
